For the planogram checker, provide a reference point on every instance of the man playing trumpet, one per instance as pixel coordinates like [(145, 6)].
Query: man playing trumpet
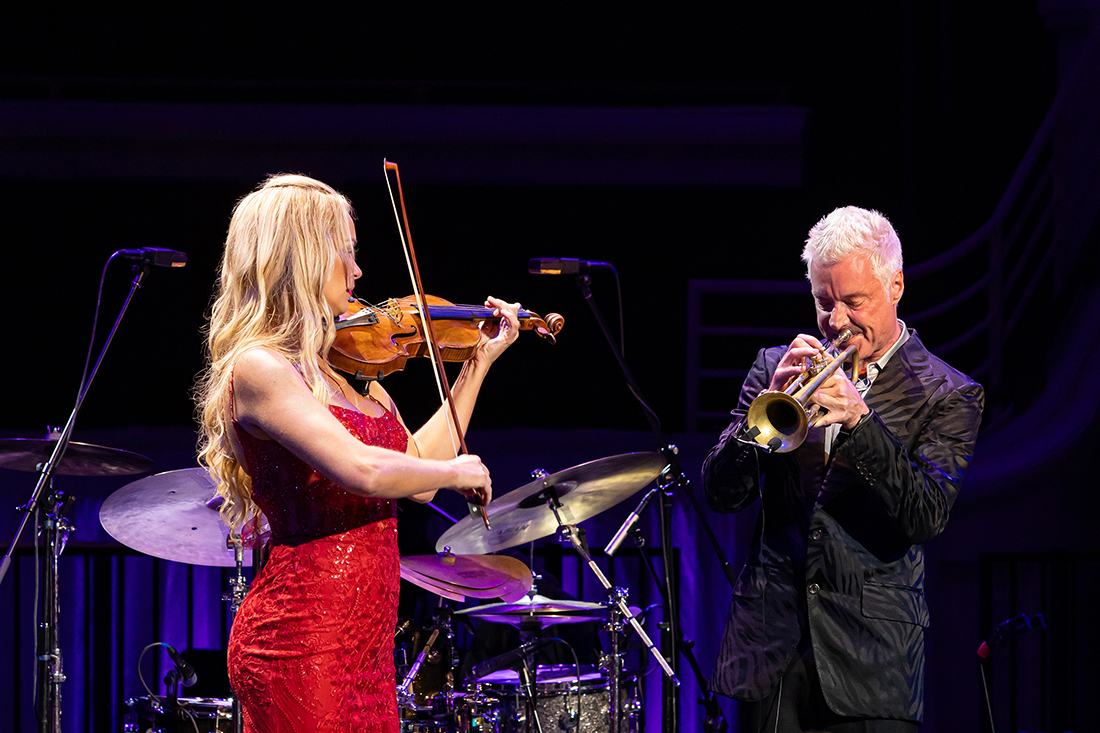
[(826, 627)]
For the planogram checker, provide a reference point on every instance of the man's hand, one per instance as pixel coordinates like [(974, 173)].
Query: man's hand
[(842, 401), (793, 362)]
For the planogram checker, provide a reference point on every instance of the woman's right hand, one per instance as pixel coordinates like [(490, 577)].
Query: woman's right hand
[(472, 478)]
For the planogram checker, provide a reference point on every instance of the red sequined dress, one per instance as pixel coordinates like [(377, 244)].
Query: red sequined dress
[(312, 645)]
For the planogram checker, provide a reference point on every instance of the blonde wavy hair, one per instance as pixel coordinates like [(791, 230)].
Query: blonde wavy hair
[(280, 251)]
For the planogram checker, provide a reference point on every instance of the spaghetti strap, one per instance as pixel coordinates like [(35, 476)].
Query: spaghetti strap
[(232, 401)]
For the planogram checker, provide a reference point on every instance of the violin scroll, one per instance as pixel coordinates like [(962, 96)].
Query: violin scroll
[(549, 328)]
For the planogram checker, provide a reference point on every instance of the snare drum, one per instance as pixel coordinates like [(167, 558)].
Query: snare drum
[(189, 714), (497, 703)]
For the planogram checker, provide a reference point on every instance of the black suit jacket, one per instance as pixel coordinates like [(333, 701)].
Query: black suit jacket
[(837, 552)]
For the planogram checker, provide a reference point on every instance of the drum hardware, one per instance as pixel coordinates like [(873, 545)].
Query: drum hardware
[(538, 612), (55, 529), (575, 535), (556, 503), (56, 455), (174, 516), (150, 714), (613, 662)]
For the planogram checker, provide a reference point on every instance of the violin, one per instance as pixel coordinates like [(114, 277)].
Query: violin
[(373, 341)]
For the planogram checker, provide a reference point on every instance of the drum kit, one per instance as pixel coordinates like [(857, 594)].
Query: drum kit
[(174, 516)]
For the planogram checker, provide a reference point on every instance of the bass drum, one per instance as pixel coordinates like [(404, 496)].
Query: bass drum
[(497, 703), (189, 714), (430, 704)]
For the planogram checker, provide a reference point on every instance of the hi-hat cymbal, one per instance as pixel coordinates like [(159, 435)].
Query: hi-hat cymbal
[(522, 515), (80, 459), (540, 611), (172, 515)]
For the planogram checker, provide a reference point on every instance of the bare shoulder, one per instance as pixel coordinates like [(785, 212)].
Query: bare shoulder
[(260, 368), (265, 382)]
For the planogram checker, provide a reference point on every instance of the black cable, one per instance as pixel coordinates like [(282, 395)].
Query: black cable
[(95, 322)]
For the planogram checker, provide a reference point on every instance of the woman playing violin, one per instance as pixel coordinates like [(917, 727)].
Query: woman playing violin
[(284, 435)]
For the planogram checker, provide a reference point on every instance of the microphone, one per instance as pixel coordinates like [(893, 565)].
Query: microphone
[(563, 266), (187, 673), (1008, 629), (613, 545), (155, 256), (508, 659)]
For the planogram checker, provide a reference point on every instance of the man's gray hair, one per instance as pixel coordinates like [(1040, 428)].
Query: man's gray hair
[(851, 230)]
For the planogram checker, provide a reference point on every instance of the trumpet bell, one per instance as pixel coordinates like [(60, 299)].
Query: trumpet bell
[(777, 421)]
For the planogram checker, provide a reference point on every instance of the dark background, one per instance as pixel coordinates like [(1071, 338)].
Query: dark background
[(920, 110)]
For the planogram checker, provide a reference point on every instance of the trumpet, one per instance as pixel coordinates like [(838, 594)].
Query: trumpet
[(780, 421)]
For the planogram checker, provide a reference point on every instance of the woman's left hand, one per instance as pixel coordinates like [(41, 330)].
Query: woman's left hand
[(496, 337)]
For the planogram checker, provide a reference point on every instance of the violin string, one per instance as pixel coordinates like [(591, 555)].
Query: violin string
[(451, 429)]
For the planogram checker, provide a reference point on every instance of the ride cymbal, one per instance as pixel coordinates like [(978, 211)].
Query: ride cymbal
[(171, 515), (80, 459)]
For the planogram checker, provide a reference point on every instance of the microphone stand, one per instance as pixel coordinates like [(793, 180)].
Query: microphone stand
[(56, 529), (714, 721), (670, 706)]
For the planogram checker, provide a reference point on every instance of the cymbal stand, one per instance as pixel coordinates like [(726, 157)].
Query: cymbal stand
[(613, 662), (569, 531), (55, 529), (238, 583), (236, 598)]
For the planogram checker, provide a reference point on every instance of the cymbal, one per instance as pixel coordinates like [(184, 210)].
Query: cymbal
[(511, 590), (522, 515), (456, 576), (171, 515), (431, 585), (539, 610), (80, 459)]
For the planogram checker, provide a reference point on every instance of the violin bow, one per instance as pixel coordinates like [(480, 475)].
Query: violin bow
[(458, 440)]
